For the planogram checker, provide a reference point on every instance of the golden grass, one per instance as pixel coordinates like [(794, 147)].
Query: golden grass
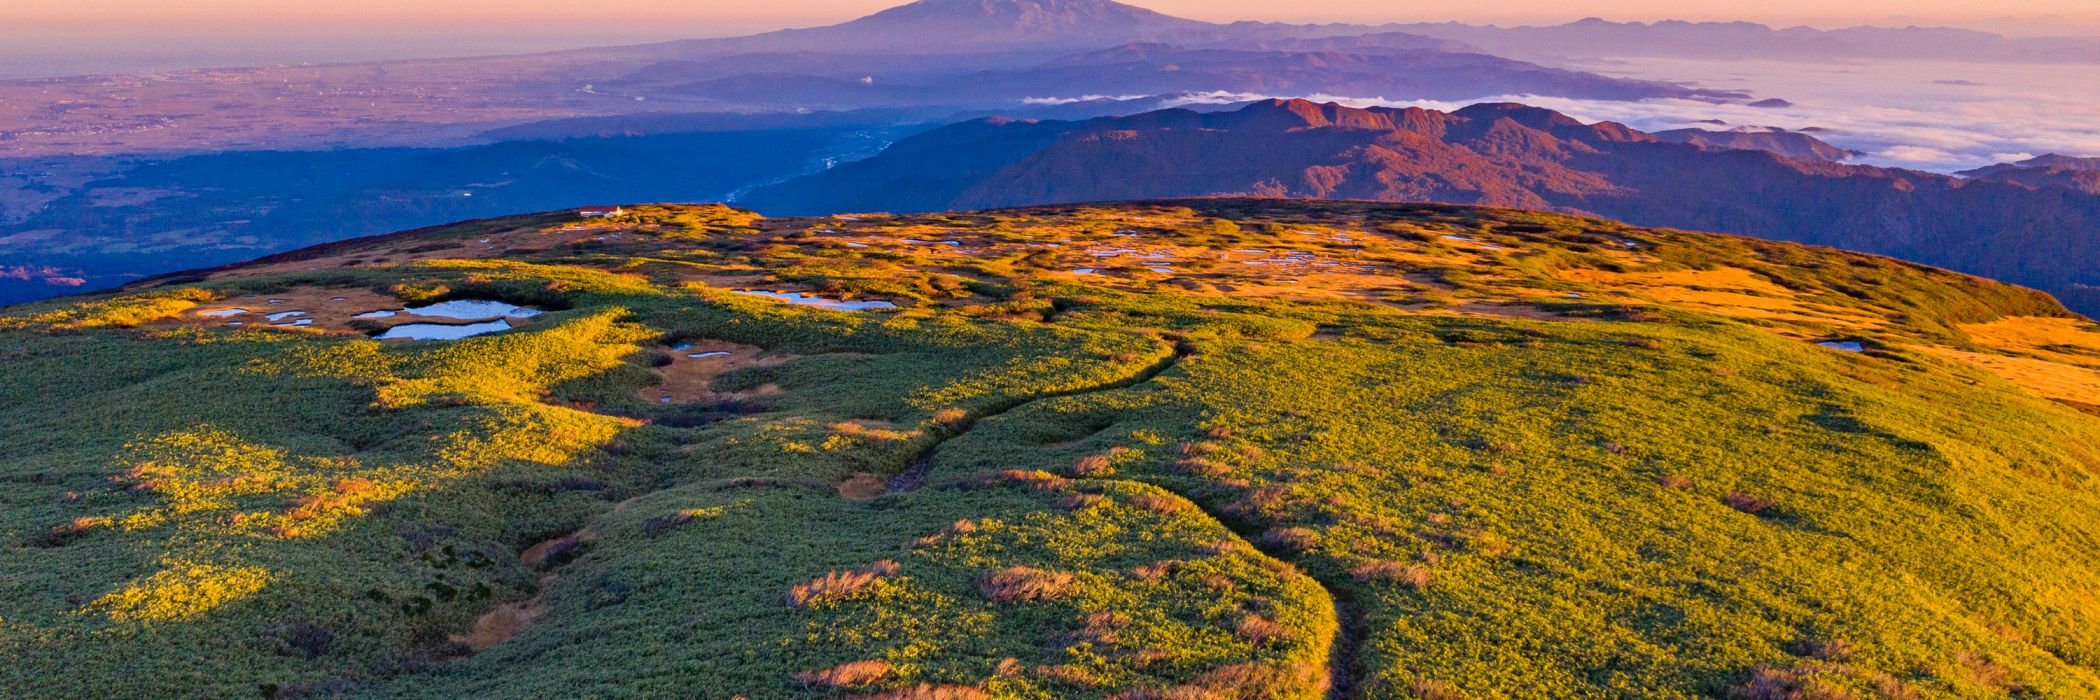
[(2067, 340), (1729, 291), (2051, 380), (849, 675), (184, 590), (836, 586), (1734, 279), (1020, 584)]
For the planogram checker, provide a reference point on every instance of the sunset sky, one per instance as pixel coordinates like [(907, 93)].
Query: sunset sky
[(63, 37), (741, 15)]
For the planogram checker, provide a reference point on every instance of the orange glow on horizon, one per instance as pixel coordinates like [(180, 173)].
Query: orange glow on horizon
[(203, 14)]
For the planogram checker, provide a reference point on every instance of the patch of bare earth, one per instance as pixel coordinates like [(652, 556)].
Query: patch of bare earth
[(691, 375), (310, 310), (863, 486), (326, 310), (506, 621)]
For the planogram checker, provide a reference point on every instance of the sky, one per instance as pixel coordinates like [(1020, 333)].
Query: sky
[(1898, 114), (25, 17), (57, 37)]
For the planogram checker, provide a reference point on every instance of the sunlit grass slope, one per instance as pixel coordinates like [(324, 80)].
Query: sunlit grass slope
[(1211, 449)]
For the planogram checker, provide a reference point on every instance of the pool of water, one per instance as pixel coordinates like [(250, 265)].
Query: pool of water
[(442, 331), (382, 313), (222, 313), (705, 355), (473, 310), (1844, 345), (282, 315), (820, 302)]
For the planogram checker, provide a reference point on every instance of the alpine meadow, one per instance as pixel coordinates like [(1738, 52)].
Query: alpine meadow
[(1219, 448), (1049, 350)]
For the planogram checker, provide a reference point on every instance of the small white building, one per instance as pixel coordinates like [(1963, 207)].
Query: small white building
[(600, 212)]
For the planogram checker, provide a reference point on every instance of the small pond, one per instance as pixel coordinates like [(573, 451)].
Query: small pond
[(820, 302), (473, 309), (442, 331)]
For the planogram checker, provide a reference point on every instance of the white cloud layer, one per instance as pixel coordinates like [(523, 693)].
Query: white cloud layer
[(1899, 113)]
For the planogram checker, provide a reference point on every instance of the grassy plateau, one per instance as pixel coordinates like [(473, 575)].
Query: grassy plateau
[(1174, 450)]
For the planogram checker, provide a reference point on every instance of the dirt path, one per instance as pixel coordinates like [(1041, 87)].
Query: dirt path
[(915, 478), (1343, 649), (506, 621), (1343, 656)]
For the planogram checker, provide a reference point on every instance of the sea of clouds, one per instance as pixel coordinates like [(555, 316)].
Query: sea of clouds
[(1941, 117)]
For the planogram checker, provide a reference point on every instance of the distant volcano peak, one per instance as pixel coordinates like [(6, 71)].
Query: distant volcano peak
[(1005, 7), (1085, 17), (946, 26)]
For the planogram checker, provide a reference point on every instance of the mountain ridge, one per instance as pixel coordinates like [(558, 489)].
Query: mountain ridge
[(950, 26), (1591, 37), (2050, 170), (1499, 155)]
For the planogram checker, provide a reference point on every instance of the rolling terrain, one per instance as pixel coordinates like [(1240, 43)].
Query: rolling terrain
[(104, 179), (2075, 174), (1506, 155), (1185, 449)]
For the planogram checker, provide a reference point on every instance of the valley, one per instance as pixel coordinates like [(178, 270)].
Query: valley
[(89, 223)]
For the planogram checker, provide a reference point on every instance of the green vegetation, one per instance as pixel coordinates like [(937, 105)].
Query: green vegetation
[(1255, 450)]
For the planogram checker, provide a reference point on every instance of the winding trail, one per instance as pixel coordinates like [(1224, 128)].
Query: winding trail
[(1343, 662), (1343, 654), (1343, 657), (914, 478)]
